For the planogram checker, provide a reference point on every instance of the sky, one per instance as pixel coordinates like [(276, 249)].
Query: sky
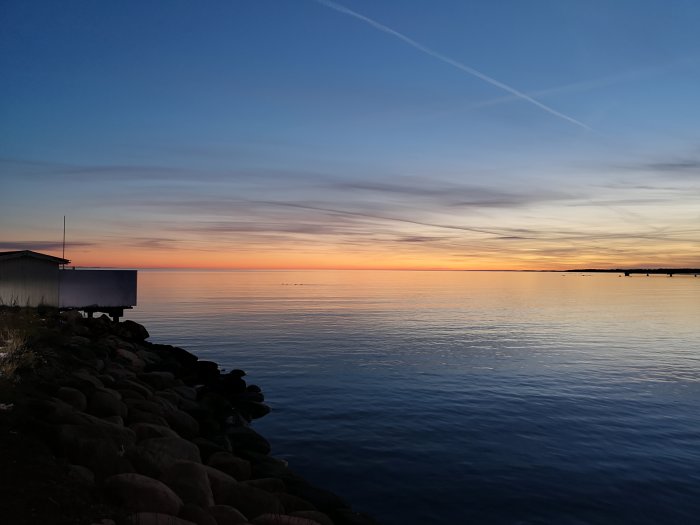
[(389, 134)]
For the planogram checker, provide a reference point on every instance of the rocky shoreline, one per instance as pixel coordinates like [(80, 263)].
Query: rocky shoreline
[(145, 433)]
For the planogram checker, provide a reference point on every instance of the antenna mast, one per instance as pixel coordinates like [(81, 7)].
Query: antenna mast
[(63, 254)]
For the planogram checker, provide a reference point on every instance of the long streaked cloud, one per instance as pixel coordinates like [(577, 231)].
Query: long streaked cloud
[(451, 61), (40, 245)]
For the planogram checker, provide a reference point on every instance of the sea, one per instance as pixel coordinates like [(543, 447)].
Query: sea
[(428, 397)]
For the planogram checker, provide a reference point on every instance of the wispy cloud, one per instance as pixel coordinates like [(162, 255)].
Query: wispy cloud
[(451, 61), (40, 245)]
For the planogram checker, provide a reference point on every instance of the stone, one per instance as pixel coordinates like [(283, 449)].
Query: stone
[(268, 484), (183, 423), (128, 393), (282, 519), (81, 475), (153, 456), (190, 481), (139, 416), (322, 499), (154, 518), (149, 430), (313, 515), (158, 380), (132, 331), (129, 358), (207, 373), (134, 384), (196, 515), (105, 402), (84, 381), (170, 396), (150, 358), (117, 420), (234, 466), (245, 438), (227, 515), (252, 502), (218, 481), (101, 448), (187, 392), (73, 397), (207, 447), (293, 503), (137, 493)]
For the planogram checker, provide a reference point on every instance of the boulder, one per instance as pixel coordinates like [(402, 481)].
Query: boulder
[(207, 373), (282, 519), (190, 481), (245, 438), (218, 481), (134, 384), (293, 503), (149, 430), (196, 515), (226, 515), (101, 448), (268, 484), (234, 466), (154, 518), (73, 397), (104, 402), (129, 358), (132, 331), (153, 456), (250, 501), (158, 380), (137, 493), (313, 515)]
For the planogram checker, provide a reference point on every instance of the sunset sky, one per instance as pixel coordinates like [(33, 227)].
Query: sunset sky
[(420, 134)]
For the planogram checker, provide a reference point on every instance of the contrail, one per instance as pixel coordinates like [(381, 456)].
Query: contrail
[(454, 63)]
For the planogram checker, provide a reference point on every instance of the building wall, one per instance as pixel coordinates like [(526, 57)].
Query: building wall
[(25, 281), (105, 288)]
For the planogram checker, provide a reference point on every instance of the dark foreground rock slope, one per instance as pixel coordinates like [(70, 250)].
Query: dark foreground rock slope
[(97, 425)]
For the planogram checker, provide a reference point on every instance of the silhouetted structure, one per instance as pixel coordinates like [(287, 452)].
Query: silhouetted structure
[(32, 279)]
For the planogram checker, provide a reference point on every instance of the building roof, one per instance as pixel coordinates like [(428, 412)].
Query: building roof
[(36, 255)]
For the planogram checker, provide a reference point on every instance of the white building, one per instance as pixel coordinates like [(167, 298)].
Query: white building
[(31, 279)]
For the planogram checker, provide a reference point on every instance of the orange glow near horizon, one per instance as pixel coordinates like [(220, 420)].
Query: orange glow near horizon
[(318, 259)]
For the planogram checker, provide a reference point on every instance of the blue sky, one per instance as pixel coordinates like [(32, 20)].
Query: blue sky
[(302, 133)]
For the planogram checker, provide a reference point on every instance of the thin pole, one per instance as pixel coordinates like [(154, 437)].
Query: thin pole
[(63, 254)]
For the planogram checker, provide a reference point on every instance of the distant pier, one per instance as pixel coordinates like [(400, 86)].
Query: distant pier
[(645, 271)]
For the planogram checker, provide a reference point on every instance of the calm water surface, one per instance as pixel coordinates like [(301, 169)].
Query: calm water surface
[(463, 397)]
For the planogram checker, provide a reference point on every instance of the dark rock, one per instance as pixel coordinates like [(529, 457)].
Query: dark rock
[(149, 430), (158, 380), (132, 331), (218, 481), (73, 397), (226, 515), (313, 515), (207, 373), (190, 481), (234, 466), (100, 448), (129, 358), (268, 484), (293, 503), (106, 403), (155, 518), (250, 501), (197, 515), (137, 493), (247, 439), (282, 519), (322, 499), (153, 456)]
